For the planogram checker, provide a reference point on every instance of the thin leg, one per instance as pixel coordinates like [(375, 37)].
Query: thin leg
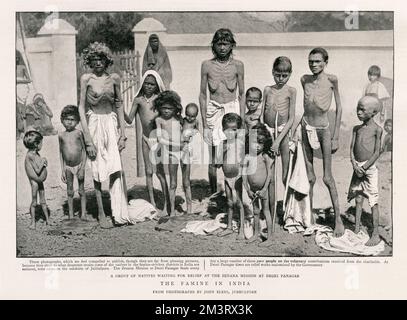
[(269, 221), (359, 205), (173, 169), (164, 188), (212, 170), (34, 191), (186, 183), (239, 204), (229, 199), (149, 172), (309, 159), (98, 192), (41, 192), (256, 213), (272, 194), (285, 158), (70, 192), (375, 238), (324, 137)]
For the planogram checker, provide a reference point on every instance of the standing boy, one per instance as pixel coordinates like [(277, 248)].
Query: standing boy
[(73, 158), (364, 151)]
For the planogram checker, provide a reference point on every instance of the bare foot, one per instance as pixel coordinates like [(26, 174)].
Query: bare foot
[(357, 229), (339, 229), (240, 236), (32, 225), (266, 243), (88, 217), (253, 238), (105, 223), (373, 241), (225, 232)]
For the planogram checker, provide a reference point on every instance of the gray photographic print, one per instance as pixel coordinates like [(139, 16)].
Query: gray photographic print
[(234, 134)]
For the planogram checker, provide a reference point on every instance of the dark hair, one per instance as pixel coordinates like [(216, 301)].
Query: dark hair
[(254, 89), (231, 117), (169, 97), (32, 139), (321, 51), (190, 105), (70, 110), (97, 49), (374, 71), (388, 121), (223, 34), (282, 64), (260, 130), (153, 36)]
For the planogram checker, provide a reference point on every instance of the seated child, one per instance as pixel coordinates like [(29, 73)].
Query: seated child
[(36, 170), (257, 173), (232, 155), (388, 138), (375, 88), (364, 151), (253, 100), (72, 154), (169, 128)]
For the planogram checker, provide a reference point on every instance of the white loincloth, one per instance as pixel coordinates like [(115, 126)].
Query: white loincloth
[(366, 185), (214, 114), (312, 134)]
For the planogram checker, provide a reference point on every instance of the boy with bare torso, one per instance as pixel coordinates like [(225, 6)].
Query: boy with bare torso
[(318, 91), (169, 134), (36, 170), (257, 175), (72, 153), (364, 151), (143, 105), (232, 154), (223, 76)]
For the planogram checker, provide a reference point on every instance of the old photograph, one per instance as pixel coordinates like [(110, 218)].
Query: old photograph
[(204, 134)]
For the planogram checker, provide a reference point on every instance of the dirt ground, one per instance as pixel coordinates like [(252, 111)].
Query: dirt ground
[(143, 239)]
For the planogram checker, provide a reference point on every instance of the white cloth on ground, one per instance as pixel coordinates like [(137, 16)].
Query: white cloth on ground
[(206, 226), (297, 216), (368, 185), (349, 242), (104, 134), (141, 210), (214, 114)]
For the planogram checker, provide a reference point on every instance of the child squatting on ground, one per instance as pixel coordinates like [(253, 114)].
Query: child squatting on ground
[(36, 170), (257, 167), (364, 151), (72, 153), (169, 132), (230, 157)]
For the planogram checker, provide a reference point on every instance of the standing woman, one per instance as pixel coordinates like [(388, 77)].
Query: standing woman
[(102, 120), (223, 77)]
